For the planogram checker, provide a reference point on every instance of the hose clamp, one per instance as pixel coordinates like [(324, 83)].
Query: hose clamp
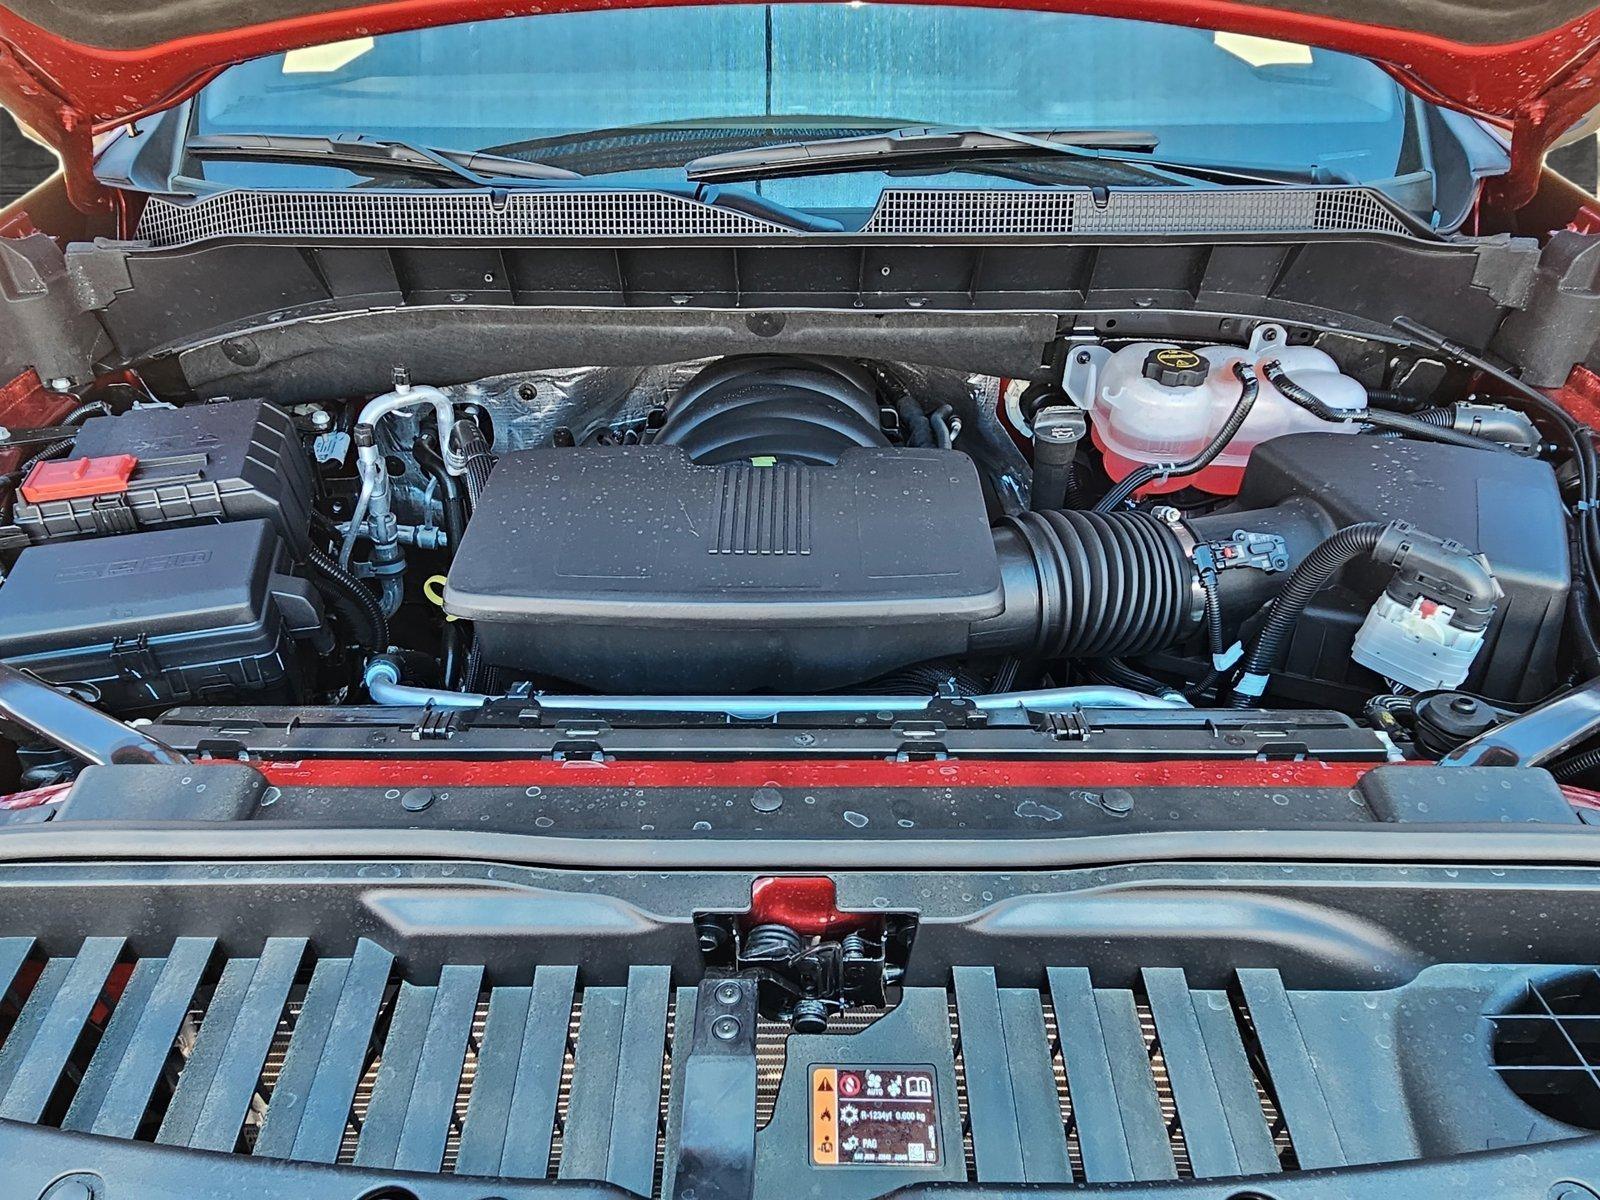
[(1189, 545)]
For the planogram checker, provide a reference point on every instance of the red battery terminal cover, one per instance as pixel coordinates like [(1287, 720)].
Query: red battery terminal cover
[(76, 478)]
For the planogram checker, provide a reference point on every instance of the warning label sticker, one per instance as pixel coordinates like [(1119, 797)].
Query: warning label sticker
[(874, 1116)]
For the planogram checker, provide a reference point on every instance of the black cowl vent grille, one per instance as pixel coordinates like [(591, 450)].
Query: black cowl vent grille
[(464, 215), (634, 214), (1134, 210)]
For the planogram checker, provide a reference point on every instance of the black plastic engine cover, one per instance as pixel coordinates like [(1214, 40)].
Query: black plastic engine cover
[(630, 569)]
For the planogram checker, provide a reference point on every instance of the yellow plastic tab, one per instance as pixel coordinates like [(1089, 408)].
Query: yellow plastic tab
[(433, 589)]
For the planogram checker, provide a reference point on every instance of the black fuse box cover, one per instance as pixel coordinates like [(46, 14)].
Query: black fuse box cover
[(232, 461), (631, 569), (162, 617)]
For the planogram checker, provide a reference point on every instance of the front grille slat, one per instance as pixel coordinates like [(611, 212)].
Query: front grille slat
[(614, 1116), (329, 1051), (1114, 1101), (512, 1112), (385, 1118), (1044, 1141), (133, 1006), (1223, 1127), (1017, 1135), (26, 1028), (217, 1084), (127, 1065), (14, 952), (408, 1122), (56, 1018), (1298, 1090), (308, 1031), (636, 1125), (586, 1131)]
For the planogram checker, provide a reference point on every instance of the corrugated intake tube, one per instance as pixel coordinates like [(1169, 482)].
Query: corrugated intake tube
[(1090, 585)]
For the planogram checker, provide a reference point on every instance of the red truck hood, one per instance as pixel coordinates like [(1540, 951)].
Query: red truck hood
[(69, 68)]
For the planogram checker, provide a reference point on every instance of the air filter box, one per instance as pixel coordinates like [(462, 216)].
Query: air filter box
[(1503, 506), (630, 569)]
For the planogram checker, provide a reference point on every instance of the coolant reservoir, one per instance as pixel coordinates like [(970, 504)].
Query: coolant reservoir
[(1156, 403)]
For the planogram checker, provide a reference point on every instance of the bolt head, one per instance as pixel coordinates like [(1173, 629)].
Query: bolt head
[(728, 993), (725, 1029)]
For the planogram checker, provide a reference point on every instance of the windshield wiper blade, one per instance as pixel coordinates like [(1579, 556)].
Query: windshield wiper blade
[(385, 155), (903, 147), (927, 143)]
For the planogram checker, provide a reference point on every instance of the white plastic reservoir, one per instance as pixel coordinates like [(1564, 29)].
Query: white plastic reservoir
[(1152, 403)]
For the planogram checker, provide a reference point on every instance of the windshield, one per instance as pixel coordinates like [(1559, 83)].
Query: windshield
[(729, 75)]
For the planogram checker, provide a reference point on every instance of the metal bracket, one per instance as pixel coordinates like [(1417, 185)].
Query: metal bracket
[(716, 1144), (1080, 379)]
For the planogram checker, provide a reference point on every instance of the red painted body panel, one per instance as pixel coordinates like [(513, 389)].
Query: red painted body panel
[(66, 91), (25, 403), (841, 773)]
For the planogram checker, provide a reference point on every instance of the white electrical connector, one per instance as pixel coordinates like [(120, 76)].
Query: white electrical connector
[(1415, 644)]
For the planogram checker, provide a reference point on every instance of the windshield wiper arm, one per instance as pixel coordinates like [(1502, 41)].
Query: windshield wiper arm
[(901, 147), (897, 145), (386, 155), (407, 157)]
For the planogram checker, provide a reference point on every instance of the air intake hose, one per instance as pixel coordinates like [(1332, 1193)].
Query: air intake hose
[(1091, 585)]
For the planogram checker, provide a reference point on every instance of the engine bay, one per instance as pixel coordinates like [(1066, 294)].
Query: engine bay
[(587, 610), (1156, 524)]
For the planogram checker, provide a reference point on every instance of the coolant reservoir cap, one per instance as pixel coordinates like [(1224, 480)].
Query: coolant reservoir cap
[(1172, 366)]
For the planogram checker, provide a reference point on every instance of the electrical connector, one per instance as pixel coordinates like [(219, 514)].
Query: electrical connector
[(1427, 627)]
